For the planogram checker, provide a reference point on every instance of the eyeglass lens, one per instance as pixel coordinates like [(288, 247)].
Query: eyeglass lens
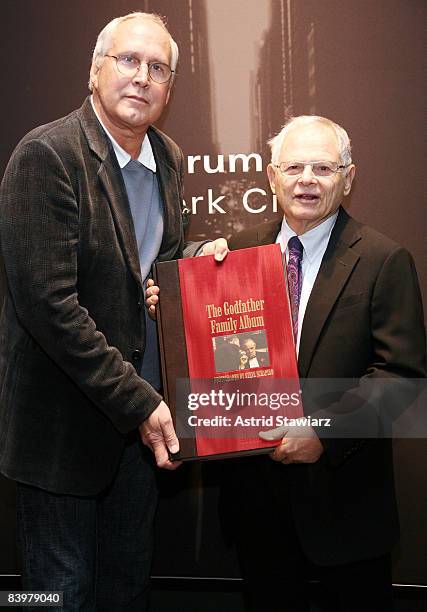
[(129, 65), (318, 168)]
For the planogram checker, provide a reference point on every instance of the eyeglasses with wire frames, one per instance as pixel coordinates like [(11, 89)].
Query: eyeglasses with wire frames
[(318, 168), (129, 65)]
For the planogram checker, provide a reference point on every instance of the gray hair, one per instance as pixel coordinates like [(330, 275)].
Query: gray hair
[(105, 37), (342, 136)]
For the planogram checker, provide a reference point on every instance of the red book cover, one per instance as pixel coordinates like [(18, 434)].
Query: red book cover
[(228, 355)]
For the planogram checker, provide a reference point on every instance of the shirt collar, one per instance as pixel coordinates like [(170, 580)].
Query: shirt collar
[(313, 241), (145, 157)]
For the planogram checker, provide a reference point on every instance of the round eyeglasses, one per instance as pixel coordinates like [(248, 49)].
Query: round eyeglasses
[(318, 168), (129, 65)]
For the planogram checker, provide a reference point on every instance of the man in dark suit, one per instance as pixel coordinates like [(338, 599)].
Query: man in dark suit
[(226, 355), (256, 358), (87, 204), (326, 504)]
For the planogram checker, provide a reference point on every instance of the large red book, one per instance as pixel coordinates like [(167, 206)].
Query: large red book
[(227, 351)]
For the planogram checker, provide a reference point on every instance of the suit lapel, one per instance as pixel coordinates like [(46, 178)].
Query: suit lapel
[(111, 179), (169, 192), (267, 232), (337, 265)]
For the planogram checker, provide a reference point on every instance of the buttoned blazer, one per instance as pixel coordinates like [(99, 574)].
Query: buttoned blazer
[(72, 327), (357, 326)]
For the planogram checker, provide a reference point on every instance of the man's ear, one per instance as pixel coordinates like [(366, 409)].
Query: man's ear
[(271, 173), (348, 179), (94, 70)]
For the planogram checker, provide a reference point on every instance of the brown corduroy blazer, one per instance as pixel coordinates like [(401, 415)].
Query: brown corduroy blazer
[(72, 326)]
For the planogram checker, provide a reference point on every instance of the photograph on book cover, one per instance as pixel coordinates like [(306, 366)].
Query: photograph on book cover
[(241, 351)]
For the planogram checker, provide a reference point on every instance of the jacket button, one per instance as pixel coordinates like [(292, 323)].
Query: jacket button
[(136, 356), (139, 304)]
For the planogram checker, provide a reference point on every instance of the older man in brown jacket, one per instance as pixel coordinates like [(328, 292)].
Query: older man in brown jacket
[(87, 203)]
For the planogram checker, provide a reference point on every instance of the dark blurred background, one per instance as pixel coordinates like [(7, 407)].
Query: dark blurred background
[(245, 66)]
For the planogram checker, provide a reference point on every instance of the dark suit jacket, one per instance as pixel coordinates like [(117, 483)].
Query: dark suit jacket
[(72, 325), (262, 358), (357, 325), (226, 356)]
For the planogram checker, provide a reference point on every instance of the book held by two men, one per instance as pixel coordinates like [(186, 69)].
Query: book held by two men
[(227, 351)]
